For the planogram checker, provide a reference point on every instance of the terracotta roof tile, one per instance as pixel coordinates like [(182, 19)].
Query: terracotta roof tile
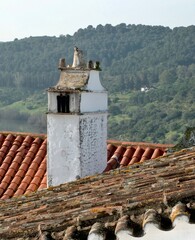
[(11, 172), (3, 186), (123, 204), (157, 153), (36, 180), (110, 150), (23, 186), (2, 137), (15, 164), (31, 172), (23, 168), (31, 188), (7, 179), (127, 156), (17, 153), (7, 160), (23, 160), (133, 153), (9, 193), (13, 186), (27, 179), (4, 168), (20, 191), (2, 172), (137, 155), (4, 149), (115, 159), (147, 154), (43, 182), (17, 179)]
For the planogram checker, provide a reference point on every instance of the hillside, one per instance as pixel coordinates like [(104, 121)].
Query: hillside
[(158, 60)]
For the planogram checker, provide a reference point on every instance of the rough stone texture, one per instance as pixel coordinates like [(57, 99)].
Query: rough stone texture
[(157, 184), (76, 80), (71, 79)]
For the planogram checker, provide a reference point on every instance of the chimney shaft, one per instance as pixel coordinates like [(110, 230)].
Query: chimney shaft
[(76, 125)]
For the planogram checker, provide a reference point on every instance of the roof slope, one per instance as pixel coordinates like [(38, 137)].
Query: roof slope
[(128, 192), (23, 164), (23, 160), (71, 79)]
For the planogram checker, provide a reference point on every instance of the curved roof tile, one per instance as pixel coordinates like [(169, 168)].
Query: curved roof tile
[(23, 160)]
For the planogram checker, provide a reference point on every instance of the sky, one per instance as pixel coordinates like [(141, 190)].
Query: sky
[(25, 18)]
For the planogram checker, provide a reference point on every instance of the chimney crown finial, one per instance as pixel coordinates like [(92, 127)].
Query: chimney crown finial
[(78, 59)]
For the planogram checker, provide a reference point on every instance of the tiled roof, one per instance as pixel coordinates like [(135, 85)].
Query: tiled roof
[(22, 164), (122, 154), (23, 160), (115, 202)]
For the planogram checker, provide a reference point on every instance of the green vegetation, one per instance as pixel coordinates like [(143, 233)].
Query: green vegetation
[(23, 110), (158, 59)]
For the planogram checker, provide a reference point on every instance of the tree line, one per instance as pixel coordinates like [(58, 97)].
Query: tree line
[(158, 59)]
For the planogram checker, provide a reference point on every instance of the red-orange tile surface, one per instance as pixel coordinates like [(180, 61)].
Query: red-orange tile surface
[(110, 150), (20, 157), (43, 182), (128, 153), (157, 153), (127, 156), (147, 154), (23, 159)]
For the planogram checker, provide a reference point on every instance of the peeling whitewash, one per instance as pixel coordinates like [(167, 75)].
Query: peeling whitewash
[(182, 230), (77, 136), (76, 146), (93, 136), (95, 236)]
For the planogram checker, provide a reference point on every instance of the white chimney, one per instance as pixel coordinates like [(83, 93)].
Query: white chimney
[(76, 124)]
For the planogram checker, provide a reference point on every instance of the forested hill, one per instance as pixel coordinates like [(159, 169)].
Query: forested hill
[(157, 59)]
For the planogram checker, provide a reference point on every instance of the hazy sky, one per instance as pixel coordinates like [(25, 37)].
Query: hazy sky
[(24, 18)]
